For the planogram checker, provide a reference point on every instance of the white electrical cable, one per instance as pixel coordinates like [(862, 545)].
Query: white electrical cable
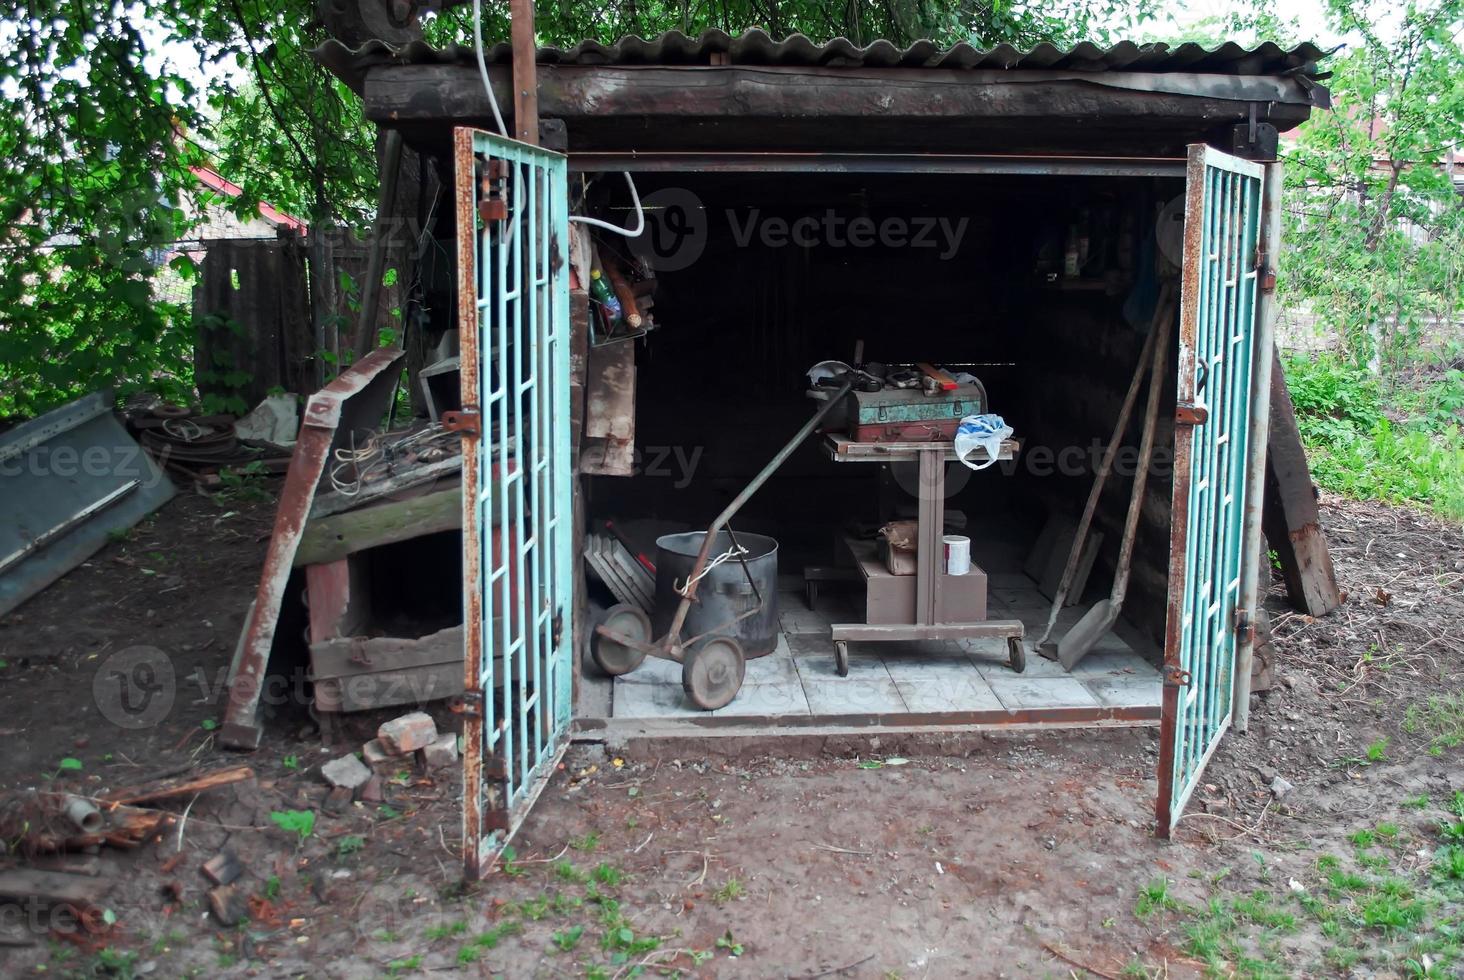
[(483, 66), (640, 213)]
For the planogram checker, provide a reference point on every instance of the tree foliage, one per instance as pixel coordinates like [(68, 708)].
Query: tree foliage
[(1375, 223), (100, 134)]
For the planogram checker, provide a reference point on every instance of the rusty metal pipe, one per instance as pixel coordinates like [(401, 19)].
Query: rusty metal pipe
[(742, 498)]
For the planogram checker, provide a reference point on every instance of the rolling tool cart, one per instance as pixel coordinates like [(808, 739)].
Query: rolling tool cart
[(712, 662)]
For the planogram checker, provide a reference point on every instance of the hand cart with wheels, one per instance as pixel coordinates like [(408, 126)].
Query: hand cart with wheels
[(712, 664), (930, 619)]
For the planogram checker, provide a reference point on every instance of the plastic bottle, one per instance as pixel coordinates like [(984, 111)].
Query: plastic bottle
[(601, 293)]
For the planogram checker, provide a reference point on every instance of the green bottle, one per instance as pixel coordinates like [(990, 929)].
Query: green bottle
[(600, 292)]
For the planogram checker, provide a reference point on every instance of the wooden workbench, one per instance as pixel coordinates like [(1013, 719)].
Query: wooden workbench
[(927, 623)]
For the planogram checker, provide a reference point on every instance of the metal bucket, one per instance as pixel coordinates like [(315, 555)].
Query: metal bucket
[(724, 593)]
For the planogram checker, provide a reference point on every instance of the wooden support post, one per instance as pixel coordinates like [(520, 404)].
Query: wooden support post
[(1291, 518), (525, 82)]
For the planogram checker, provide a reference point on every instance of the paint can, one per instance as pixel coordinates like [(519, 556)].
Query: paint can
[(957, 554)]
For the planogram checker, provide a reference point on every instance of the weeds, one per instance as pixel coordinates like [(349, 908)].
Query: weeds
[(731, 890), (1439, 719), (1155, 898), (1355, 449)]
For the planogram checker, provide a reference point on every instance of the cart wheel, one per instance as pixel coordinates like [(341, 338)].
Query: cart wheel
[(1016, 654), (617, 658), (713, 671), (841, 658)]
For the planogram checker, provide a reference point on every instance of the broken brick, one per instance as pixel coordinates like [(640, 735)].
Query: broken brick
[(440, 754), (347, 771), (408, 733)]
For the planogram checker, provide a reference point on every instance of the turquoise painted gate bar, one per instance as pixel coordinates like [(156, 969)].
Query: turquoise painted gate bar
[(513, 306), (1217, 354)]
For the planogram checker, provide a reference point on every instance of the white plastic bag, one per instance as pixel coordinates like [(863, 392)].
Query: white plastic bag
[(981, 431)]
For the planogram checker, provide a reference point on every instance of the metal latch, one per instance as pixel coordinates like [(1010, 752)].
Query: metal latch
[(492, 205), (469, 704), (1175, 676), (466, 421), (1189, 414)]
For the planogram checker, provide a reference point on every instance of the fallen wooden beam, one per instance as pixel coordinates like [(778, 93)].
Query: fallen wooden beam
[(52, 887), (165, 789), (1291, 518)]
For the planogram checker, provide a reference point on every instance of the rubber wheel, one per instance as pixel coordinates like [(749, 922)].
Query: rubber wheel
[(617, 658), (1016, 654), (713, 672), (841, 658)]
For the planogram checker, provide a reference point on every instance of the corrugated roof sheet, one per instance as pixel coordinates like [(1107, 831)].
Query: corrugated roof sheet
[(755, 47)]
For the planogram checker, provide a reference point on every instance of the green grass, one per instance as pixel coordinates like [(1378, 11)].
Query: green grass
[(1439, 719), (1355, 449), (1155, 898), (1377, 911)]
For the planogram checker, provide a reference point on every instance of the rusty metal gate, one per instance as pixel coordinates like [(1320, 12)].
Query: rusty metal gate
[(513, 306), (1213, 461)]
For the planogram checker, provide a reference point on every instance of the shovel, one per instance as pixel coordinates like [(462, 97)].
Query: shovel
[(1100, 477), (1096, 622)]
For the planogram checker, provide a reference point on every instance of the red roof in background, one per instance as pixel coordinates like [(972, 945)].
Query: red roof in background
[(268, 212)]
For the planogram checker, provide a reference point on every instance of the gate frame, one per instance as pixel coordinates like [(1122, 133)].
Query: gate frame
[(1168, 808), (486, 831)]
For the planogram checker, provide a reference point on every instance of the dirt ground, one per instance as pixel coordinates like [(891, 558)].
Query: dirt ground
[(1318, 844)]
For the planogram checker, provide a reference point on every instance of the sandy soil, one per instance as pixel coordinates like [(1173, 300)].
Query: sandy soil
[(1011, 856)]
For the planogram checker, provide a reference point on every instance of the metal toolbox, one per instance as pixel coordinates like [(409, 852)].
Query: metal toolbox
[(911, 415)]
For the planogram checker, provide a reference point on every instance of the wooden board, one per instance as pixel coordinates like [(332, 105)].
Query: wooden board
[(360, 673), (1291, 519), (332, 538)]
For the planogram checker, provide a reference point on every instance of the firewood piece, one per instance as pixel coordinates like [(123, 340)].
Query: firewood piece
[(228, 905), (222, 868), (164, 789)]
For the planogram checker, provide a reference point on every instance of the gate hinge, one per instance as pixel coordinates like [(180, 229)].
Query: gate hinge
[(465, 420), (468, 704), (1175, 676), (1188, 414), (1245, 630), (1264, 273)]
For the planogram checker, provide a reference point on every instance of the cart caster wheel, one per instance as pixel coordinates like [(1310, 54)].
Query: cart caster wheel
[(713, 672), (841, 658), (617, 658), (1016, 654)]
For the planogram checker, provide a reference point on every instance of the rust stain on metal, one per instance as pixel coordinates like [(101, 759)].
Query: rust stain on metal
[(322, 416), (468, 362), (1184, 438)]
